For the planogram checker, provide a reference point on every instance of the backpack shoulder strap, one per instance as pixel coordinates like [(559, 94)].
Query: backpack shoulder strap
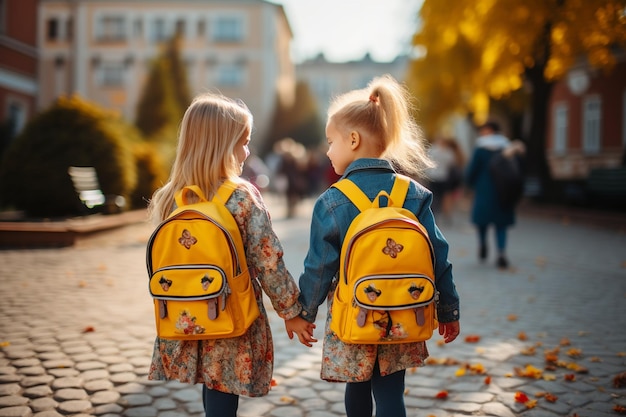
[(399, 190), (225, 191), (354, 194), (221, 196), (362, 202)]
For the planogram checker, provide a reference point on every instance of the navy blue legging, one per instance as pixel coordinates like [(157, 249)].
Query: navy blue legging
[(388, 393), (219, 404)]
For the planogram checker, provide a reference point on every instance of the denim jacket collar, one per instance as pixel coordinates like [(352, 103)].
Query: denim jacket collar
[(367, 163)]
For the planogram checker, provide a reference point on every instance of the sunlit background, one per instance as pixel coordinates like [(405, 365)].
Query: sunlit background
[(551, 72), (347, 30)]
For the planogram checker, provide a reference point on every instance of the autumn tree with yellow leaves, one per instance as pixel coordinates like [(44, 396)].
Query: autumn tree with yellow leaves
[(478, 51)]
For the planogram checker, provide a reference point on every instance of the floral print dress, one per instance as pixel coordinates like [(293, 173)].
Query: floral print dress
[(343, 362), (240, 365)]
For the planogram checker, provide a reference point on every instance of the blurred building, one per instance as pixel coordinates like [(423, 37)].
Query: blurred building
[(587, 121), (18, 63), (102, 50), (328, 79)]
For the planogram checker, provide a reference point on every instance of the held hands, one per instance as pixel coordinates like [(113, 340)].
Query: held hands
[(302, 328), (449, 331)]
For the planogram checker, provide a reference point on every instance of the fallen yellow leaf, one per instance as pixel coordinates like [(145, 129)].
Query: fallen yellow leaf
[(477, 369), (531, 403), (528, 372), (574, 353)]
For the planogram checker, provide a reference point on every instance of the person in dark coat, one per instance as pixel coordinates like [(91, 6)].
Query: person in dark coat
[(486, 209)]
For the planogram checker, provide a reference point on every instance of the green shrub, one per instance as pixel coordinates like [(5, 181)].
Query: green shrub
[(72, 132), (151, 174)]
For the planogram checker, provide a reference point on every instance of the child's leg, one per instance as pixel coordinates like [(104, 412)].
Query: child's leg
[(358, 399), (501, 239), (501, 242), (219, 404), (389, 394), (482, 242)]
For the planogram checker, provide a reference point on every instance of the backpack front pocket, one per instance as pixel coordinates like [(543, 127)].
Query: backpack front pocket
[(388, 309), (188, 302)]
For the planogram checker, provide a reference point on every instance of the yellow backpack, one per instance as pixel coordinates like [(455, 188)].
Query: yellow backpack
[(196, 263), (386, 291)]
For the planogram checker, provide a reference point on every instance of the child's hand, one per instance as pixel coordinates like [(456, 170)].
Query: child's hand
[(302, 328), (449, 331)]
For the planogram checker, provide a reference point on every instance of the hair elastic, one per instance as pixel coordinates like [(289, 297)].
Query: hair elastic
[(373, 99)]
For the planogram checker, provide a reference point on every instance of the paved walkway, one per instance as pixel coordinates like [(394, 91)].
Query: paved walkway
[(76, 331)]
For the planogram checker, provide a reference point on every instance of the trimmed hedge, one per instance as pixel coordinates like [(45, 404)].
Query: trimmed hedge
[(72, 132)]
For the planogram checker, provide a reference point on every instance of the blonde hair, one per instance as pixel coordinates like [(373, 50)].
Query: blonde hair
[(209, 131), (383, 110)]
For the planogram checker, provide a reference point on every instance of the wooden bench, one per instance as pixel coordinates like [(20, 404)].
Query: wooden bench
[(607, 184), (87, 187)]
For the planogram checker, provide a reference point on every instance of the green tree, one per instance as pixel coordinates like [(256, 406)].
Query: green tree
[(299, 120), (165, 95), (476, 51), (178, 74)]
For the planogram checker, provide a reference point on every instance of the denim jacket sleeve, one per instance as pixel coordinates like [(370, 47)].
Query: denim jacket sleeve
[(322, 260), (448, 307)]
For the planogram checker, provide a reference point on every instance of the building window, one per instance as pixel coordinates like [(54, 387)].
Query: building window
[(138, 28), (16, 117), (52, 29), (230, 75), (592, 117), (69, 31), (159, 33), (3, 16), (560, 128), (180, 27), (112, 74), (201, 28), (228, 29), (112, 28)]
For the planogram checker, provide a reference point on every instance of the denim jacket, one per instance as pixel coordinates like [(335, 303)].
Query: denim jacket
[(332, 215)]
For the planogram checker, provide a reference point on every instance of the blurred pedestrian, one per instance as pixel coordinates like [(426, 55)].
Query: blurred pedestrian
[(213, 145), (438, 177), (292, 167), (454, 185), (486, 209), (366, 130)]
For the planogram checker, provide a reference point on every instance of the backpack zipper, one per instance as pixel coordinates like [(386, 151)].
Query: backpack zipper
[(399, 276), (224, 290)]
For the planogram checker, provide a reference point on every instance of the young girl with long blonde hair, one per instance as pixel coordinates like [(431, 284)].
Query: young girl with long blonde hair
[(212, 147), (371, 134)]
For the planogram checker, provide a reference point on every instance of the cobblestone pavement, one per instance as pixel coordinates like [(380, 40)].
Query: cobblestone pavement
[(76, 331)]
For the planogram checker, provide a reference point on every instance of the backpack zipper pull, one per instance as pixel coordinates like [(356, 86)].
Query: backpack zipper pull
[(212, 308), (225, 295), (162, 309), (361, 317), (420, 319)]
